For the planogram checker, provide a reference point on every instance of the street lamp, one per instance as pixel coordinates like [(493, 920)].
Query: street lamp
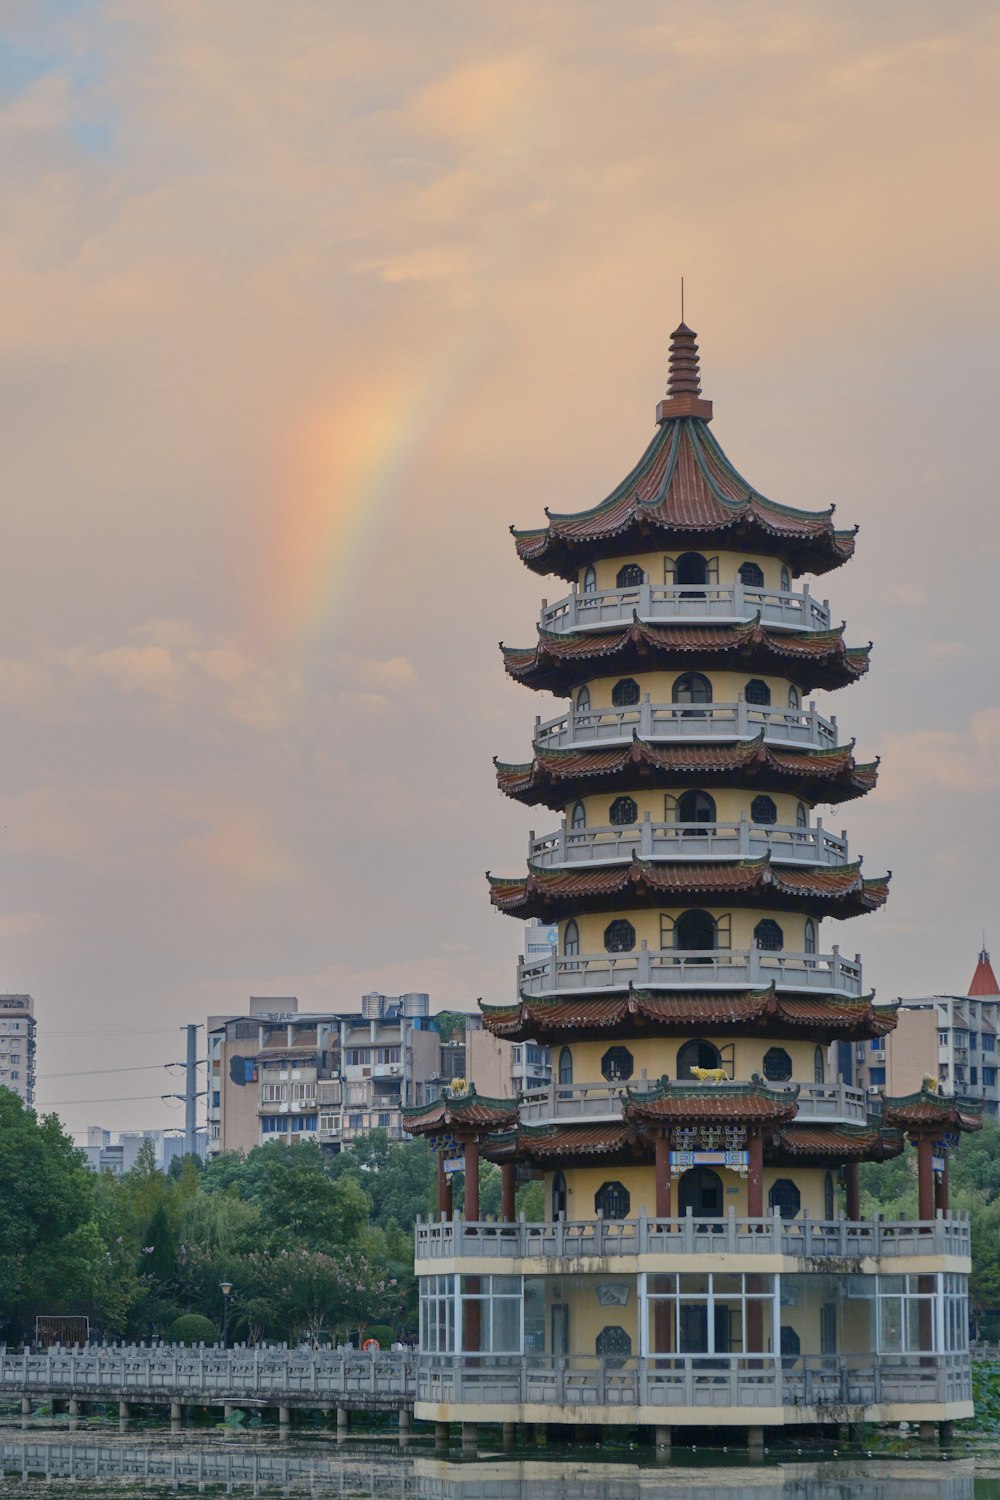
[(227, 1287)]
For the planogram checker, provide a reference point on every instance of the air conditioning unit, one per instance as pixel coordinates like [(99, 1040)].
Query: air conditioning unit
[(396, 1068), (874, 1088)]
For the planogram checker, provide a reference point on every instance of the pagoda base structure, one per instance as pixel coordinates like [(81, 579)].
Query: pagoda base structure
[(703, 1260)]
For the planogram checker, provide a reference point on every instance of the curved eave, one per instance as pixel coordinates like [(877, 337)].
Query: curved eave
[(538, 1145), (555, 777), (470, 1113), (684, 491), (925, 1111), (819, 1145), (819, 889), (740, 1103), (560, 662)]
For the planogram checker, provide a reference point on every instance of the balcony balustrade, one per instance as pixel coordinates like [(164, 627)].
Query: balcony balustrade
[(672, 968), (802, 1239), (708, 603), (784, 844), (683, 721), (563, 1102)]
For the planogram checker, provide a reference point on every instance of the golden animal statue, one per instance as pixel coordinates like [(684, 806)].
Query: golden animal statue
[(458, 1087), (710, 1075), (930, 1084)]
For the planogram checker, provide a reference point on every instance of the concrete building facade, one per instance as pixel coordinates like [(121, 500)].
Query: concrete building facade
[(17, 1046)]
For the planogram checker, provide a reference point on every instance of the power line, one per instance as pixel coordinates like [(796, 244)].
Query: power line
[(92, 1072), (111, 1099)]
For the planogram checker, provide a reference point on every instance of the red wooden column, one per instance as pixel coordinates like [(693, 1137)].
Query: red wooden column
[(941, 1187), (663, 1175), (755, 1177), (444, 1188), (471, 1180), (852, 1181), (508, 1183), (925, 1176)]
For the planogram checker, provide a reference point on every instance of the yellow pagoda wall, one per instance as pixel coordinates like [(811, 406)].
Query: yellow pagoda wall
[(726, 686), (592, 925), (583, 1182), (653, 565), (654, 1056), (730, 804)]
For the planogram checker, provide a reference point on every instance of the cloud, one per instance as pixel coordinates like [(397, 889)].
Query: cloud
[(966, 761)]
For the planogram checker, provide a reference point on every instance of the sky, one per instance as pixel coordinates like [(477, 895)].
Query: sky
[(304, 303)]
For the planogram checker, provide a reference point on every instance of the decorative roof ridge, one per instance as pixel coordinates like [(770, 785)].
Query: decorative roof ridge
[(756, 1088), (620, 492)]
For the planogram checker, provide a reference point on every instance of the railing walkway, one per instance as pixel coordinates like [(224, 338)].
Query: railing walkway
[(703, 603), (688, 722), (681, 968)]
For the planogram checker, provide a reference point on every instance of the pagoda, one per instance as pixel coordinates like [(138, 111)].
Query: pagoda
[(703, 1251)]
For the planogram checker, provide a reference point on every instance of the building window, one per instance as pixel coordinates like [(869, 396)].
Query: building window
[(571, 940), (777, 1065), (691, 568), (943, 1038), (794, 698), (578, 817), (613, 1345), (583, 700), (384, 1120), (974, 1075), (768, 935), (695, 807), (763, 810), (989, 1042), (696, 1054), (625, 693), (752, 575), (691, 687), (989, 1078), (829, 1200), (589, 580), (565, 1066), (330, 1123), (612, 1200), (273, 1124), (619, 936), (617, 1064), (355, 1122), (558, 1196), (630, 576), (809, 936), (876, 1077), (801, 815), (819, 1066), (623, 811), (758, 692), (785, 1197), (786, 580)]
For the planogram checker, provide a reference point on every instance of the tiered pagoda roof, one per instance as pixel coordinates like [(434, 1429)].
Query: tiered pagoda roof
[(711, 1103), (560, 662), (817, 1145), (635, 1012), (554, 777), (544, 1145), (824, 890), (928, 1110), (468, 1111), (684, 493)]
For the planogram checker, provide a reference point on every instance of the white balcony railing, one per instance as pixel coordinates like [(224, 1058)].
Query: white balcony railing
[(687, 604), (582, 1102), (671, 968), (785, 844), (684, 721)]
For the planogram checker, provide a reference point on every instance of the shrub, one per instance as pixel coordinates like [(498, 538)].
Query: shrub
[(193, 1328), (380, 1331)]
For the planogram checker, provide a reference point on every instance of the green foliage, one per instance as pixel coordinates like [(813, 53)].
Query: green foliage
[(193, 1328), (450, 1025)]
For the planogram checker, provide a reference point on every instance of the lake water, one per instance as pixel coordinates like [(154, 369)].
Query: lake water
[(45, 1459)]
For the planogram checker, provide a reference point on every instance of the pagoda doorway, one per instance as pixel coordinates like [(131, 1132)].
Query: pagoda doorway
[(700, 1190), (696, 1054)]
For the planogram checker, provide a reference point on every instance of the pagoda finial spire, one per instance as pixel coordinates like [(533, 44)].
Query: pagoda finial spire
[(684, 381)]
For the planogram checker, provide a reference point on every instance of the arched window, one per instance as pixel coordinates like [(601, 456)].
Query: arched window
[(794, 697), (768, 935), (752, 575), (625, 693), (696, 1054), (786, 580), (619, 936), (612, 1200), (692, 687), (809, 936), (589, 580), (757, 692), (617, 1065), (801, 815), (829, 1208), (785, 1197), (571, 939), (695, 931), (819, 1066), (578, 817), (763, 810), (695, 807), (565, 1066), (558, 1196), (623, 812), (630, 576), (777, 1065), (691, 568), (700, 1190), (583, 700)]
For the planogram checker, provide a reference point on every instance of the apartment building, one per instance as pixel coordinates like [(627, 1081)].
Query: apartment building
[(17, 1046), (278, 1073), (119, 1154), (950, 1037)]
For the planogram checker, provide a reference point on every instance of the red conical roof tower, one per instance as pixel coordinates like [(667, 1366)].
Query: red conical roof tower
[(984, 981)]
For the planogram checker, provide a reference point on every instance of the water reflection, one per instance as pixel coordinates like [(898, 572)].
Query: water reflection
[(240, 1465)]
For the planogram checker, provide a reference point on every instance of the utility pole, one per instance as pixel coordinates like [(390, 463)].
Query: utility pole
[(190, 1091)]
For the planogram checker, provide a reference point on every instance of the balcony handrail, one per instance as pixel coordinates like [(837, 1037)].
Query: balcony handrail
[(671, 968), (608, 843), (699, 602), (604, 1100), (739, 720)]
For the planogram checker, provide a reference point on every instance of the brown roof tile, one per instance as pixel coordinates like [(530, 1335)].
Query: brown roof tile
[(711, 1101)]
